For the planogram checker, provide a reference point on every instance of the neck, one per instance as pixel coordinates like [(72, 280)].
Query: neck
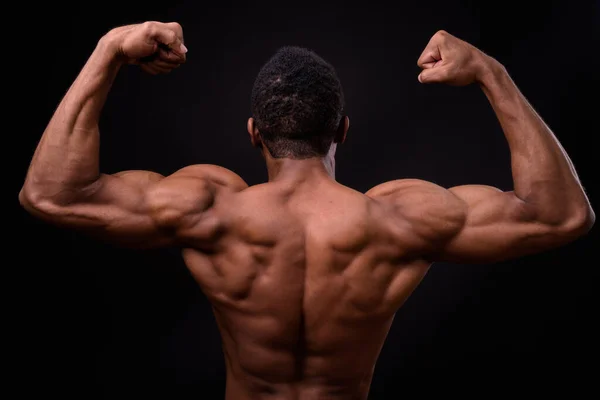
[(293, 169)]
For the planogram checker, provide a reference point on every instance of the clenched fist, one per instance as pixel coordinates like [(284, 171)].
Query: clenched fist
[(157, 47), (447, 59)]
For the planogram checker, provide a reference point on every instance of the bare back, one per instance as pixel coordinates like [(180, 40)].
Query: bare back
[(301, 277), (305, 274)]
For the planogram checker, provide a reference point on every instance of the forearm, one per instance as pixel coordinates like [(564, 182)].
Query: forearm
[(66, 159), (543, 174)]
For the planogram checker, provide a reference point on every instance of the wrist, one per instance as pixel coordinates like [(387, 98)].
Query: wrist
[(109, 47), (489, 69)]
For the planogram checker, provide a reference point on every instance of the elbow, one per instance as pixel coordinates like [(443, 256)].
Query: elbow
[(23, 197), (590, 219), (580, 222), (26, 197), (34, 201)]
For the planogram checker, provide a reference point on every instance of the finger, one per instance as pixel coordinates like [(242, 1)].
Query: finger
[(165, 64), (433, 50), (162, 33), (147, 59), (427, 65), (433, 75), (177, 29), (430, 56), (161, 69), (149, 69), (170, 56)]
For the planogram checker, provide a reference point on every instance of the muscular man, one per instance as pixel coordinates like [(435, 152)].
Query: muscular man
[(304, 274)]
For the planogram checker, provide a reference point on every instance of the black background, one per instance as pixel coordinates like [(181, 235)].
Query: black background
[(92, 321)]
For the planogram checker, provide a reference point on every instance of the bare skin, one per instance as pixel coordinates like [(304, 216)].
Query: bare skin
[(305, 274)]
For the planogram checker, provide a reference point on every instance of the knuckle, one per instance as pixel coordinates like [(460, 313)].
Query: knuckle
[(149, 27), (176, 26), (441, 36), (171, 36), (177, 31)]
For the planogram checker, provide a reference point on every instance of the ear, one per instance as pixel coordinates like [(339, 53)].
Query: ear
[(340, 135), (254, 134)]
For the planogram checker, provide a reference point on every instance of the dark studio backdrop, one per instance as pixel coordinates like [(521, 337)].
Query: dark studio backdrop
[(100, 322)]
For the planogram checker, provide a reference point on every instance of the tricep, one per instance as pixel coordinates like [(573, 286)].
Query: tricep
[(473, 223)]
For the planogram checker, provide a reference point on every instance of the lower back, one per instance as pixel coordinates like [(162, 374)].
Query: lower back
[(242, 388)]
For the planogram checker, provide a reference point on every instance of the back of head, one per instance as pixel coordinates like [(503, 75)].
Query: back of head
[(297, 104)]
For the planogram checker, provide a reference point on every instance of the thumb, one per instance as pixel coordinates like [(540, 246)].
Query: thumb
[(432, 75), (170, 38)]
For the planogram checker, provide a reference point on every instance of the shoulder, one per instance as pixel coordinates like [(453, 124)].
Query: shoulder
[(414, 192), (431, 210), (393, 187), (190, 192), (195, 186), (212, 174)]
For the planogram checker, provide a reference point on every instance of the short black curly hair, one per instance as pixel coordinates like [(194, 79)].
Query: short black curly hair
[(297, 104)]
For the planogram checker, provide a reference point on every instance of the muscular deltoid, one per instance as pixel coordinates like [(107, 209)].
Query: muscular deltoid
[(305, 274)]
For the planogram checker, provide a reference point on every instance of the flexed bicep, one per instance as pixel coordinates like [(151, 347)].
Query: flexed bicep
[(499, 226), (472, 223), (114, 208), (138, 209)]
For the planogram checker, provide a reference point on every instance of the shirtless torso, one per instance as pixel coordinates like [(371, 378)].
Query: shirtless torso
[(305, 277), (304, 274)]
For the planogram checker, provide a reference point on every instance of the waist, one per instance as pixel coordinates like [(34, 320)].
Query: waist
[(244, 386)]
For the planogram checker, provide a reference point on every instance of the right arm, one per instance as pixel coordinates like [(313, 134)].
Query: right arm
[(64, 184), (548, 206)]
